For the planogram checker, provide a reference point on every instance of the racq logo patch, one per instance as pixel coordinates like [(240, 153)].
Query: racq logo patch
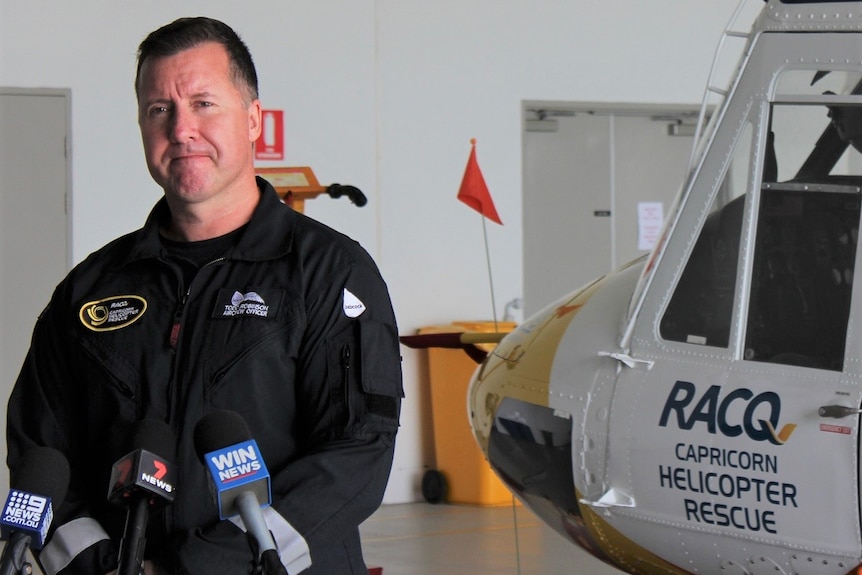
[(112, 313)]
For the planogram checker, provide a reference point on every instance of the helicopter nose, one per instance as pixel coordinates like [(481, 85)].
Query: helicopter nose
[(527, 442), (519, 368), (530, 447)]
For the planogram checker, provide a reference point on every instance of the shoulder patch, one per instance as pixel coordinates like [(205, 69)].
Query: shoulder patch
[(112, 313), (353, 306)]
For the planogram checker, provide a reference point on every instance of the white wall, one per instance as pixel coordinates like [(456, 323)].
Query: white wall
[(384, 95)]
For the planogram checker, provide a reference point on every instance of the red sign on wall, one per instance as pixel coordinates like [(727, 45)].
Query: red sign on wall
[(270, 144)]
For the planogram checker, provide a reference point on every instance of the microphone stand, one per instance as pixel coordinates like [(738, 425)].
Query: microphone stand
[(266, 563), (131, 558), (265, 559), (272, 563), (14, 559)]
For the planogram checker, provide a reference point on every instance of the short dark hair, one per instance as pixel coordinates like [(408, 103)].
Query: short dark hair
[(185, 33)]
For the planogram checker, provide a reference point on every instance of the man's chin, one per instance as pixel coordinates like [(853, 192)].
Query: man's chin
[(186, 197), (188, 188)]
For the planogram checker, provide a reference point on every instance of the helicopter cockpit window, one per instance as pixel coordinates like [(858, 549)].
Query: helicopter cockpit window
[(815, 128), (807, 222), (701, 308)]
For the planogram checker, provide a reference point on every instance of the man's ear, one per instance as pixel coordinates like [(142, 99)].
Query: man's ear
[(255, 120)]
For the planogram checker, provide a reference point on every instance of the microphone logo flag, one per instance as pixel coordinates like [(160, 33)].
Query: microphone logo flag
[(238, 468), (142, 471), (27, 512), (155, 473)]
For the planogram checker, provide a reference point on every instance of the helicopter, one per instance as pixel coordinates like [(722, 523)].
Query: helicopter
[(697, 410)]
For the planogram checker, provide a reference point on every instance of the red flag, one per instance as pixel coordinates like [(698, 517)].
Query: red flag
[(474, 192)]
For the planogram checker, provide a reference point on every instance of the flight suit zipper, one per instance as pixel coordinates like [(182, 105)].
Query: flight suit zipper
[(181, 306), (176, 331), (345, 365), (178, 321), (173, 402)]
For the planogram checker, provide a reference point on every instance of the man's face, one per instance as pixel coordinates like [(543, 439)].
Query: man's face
[(197, 126)]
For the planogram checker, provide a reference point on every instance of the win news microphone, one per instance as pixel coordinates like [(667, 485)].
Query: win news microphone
[(240, 479), (141, 480), (39, 484)]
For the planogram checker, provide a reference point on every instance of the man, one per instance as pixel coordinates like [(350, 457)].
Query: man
[(225, 299)]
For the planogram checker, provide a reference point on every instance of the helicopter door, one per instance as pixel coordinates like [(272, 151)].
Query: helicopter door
[(800, 347), (794, 358)]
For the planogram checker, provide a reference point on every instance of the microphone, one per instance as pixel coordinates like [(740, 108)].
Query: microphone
[(39, 484), (141, 480), (240, 480)]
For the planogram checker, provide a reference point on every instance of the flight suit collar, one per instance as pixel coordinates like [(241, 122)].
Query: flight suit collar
[(268, 235)]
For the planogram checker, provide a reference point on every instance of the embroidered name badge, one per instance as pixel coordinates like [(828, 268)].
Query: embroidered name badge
[(234, 303), (112, 313)]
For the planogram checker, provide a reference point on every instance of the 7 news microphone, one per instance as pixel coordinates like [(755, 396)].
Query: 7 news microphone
[(141, 480), (241, 481), (39, 484)]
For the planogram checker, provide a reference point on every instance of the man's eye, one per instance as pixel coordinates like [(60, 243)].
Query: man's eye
[(157, 110)]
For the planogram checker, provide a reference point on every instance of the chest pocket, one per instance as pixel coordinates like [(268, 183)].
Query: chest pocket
[(250, 362), (104, 367), (112, 385)]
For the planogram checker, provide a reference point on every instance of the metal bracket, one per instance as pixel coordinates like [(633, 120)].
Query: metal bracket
[(611, 498), (626, 359)]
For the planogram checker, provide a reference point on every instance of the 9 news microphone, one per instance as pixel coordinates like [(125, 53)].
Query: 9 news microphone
[(39, 484), (141, 480), (240, 479)]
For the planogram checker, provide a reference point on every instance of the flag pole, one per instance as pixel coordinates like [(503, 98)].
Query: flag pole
[(490, 275), (474, 192)]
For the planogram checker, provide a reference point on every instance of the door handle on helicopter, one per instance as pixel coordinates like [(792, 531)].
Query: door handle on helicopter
[(611, 498), (627, 359), (838, 411)]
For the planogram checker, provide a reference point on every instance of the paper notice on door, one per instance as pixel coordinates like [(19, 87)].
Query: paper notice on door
[(650, 220)]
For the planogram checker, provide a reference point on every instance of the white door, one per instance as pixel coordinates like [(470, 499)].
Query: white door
[(34, 245), (585, 172), (567, 208)]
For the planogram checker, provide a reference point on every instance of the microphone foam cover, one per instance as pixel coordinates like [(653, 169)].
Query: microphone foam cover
[(155, 436), (220, 429), (43, 471)]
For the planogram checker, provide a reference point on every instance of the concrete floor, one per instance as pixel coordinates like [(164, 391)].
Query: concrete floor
[(425, 539)]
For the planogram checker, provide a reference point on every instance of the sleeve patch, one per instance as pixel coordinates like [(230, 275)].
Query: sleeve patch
[(352, 305)]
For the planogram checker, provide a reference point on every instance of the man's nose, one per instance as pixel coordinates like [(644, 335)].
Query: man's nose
[(183, 126)]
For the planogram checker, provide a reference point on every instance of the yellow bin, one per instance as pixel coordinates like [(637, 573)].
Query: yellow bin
[(468, 476)]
